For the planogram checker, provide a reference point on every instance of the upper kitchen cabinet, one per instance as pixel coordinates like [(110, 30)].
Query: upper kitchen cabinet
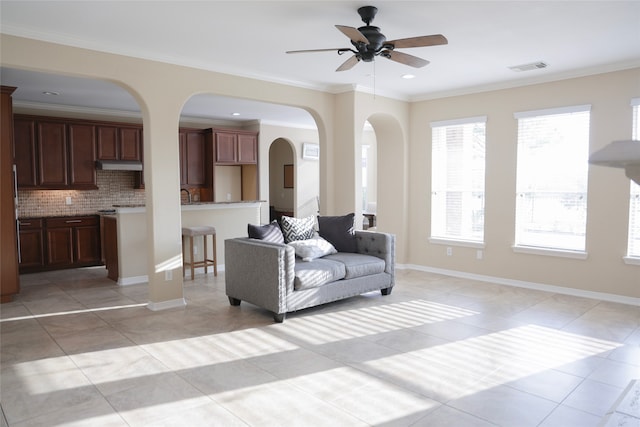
[(54, 154), (235, 147), (119, 143), (192, 158)]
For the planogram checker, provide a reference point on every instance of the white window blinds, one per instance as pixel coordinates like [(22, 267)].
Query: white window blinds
[(633, 247), (551, 183), (457, 179)]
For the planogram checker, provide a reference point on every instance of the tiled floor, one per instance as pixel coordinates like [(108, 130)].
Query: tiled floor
[(439, 351)]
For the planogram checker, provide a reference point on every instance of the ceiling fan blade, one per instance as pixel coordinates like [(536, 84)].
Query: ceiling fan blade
[(348, 64), (403, 58), (433, 40), (353, 33), (318, 50)]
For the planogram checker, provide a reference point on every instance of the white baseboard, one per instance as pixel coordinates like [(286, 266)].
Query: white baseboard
[(133, 280), (200, 270), (164, 305), (524, 284)]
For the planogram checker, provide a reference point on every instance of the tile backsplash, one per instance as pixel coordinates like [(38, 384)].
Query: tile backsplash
[(114, 187)]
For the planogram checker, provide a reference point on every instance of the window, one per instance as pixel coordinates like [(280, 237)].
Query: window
[(551, 179), (457, 179), (633, 248)]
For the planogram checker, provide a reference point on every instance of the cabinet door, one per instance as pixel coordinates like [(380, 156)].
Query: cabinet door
[(31, 244), (226, 145), (87, 244), (82, 156), (52, 156), (107, 143), (60, 246), (247, 149), (130, 144), (195, 159), (182, 147), (24, 140)]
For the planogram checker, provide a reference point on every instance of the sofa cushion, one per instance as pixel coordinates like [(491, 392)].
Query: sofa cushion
[(339, 230), (313, 248), (298, 228), (317, 273), (358, 265), (268, 232)]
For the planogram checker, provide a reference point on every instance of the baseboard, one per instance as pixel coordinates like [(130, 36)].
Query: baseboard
[(133, 280), (164, 305), (524, 284), (200, 270)]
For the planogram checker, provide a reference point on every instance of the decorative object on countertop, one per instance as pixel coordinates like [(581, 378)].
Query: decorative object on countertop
[(192, 232)]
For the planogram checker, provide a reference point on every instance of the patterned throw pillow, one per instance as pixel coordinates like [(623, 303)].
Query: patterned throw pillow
[(297, 228)]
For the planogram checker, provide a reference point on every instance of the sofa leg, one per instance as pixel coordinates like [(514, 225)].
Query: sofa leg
[(279, 317), (234, 301), (385, 291)]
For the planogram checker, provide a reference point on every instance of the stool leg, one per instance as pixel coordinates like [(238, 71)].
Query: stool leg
[(204, 244), (191, 254), (183, 262), (215, 257)]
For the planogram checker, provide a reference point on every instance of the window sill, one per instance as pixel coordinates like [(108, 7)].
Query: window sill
[(631, 260), (454, 242), (550, 252)]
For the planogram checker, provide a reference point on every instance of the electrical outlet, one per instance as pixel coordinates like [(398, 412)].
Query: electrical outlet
[(195, 250), (479, 254), (168, 275), (449, 251), (68, 200)]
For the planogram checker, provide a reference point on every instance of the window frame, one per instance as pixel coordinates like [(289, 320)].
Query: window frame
[(450, 240), (541, 250), (629, 258)]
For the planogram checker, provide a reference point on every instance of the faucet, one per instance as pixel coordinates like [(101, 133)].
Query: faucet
[(188, 194)]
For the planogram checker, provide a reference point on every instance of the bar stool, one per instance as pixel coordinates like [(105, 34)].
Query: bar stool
[(192, 232)]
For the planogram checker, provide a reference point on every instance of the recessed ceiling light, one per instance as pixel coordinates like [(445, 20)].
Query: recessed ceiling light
[(408, 76), (47, 92), (235, 114)]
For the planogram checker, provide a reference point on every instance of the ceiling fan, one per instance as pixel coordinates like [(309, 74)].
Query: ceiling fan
[(369, 42)]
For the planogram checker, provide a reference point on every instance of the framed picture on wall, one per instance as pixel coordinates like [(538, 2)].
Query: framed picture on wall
[(288, 176), (310, 151)]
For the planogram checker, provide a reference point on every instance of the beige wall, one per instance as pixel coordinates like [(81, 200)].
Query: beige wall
[(608, 198), (403, 138)]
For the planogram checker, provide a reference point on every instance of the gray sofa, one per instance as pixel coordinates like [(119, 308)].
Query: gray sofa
[(270, 275)]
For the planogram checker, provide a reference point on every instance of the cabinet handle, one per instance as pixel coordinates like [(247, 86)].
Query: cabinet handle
[(71, 221), (25, 223)]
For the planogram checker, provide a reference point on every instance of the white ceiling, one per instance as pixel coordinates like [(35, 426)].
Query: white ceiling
[(249, 38)]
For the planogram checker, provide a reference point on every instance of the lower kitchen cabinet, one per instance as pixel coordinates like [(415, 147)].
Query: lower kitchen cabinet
[(65, 242)]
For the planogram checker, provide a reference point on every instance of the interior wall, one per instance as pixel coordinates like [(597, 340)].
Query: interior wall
[(307, 172), (280, 154), (608, 196)]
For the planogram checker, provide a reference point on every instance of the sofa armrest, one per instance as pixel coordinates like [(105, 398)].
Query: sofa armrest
[(259, 272), (381, 245)]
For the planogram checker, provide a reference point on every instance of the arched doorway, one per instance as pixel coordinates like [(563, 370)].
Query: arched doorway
[(282, 178)]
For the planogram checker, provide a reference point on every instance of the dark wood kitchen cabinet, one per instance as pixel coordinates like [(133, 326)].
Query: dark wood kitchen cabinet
[(54, 153), (60, 242), (31, 244), (119, 143), (192, 158), (235, 147)]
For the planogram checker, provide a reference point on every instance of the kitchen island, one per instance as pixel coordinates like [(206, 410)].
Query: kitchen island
[(130, 240)]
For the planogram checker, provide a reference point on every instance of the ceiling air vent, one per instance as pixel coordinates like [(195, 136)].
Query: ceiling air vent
[(529, 67)]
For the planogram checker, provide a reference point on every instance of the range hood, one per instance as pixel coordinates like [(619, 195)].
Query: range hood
[(620, 154), (119, 165)]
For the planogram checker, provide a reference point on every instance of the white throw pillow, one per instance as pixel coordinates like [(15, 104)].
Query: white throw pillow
[(310, 249)]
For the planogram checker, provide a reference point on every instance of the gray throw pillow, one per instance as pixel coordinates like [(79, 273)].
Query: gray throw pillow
[(339, 231), (269, 232)]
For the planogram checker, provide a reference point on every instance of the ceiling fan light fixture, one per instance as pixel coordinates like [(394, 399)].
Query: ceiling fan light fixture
[(529, 67), (408, 76)]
